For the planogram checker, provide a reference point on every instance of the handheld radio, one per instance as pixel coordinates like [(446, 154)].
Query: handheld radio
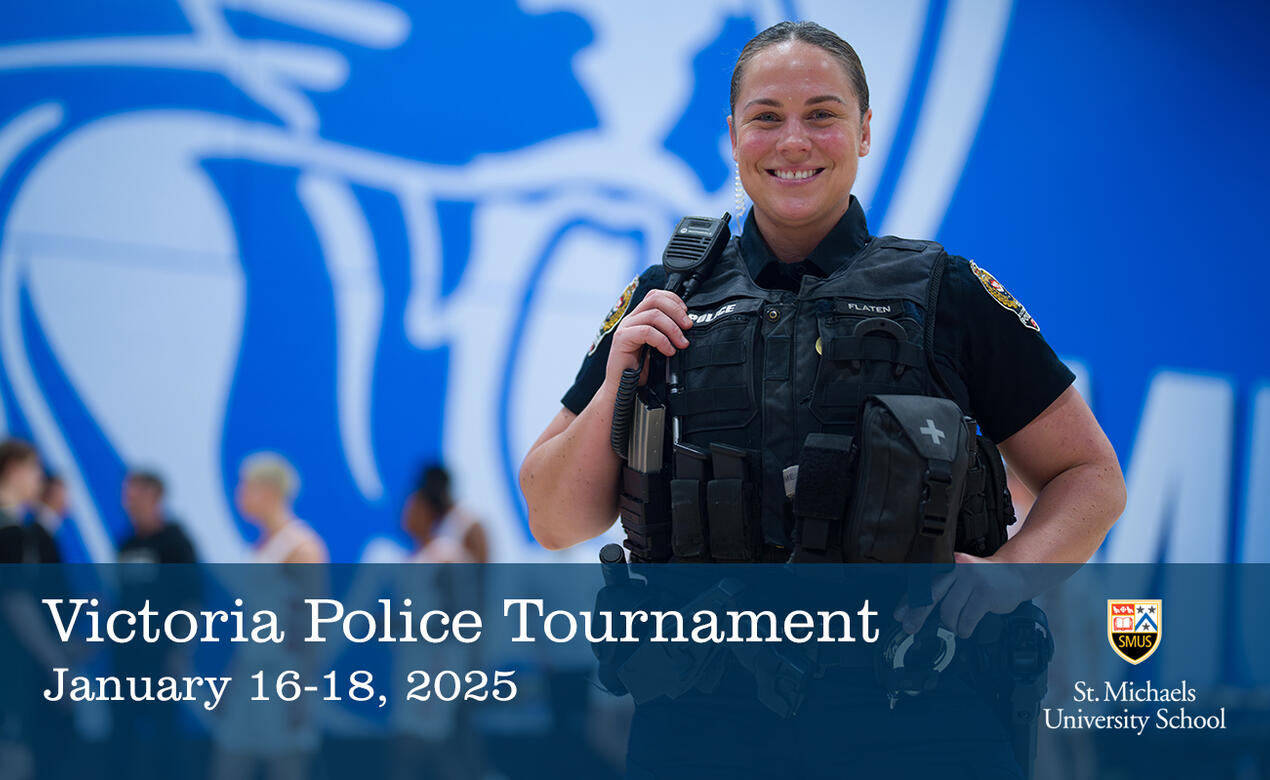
[(688, 258)]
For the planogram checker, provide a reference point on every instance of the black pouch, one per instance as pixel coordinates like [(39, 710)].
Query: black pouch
[(730, 506), (644, 508), (821, 496), (913, 454), (688, 502), (988, 508)]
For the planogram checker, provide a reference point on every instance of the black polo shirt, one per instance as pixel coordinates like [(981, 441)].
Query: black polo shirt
[(984, 339), (13, 548), (169, 544)]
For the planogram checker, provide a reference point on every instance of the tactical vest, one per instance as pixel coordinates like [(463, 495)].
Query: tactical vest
[(764, 368)]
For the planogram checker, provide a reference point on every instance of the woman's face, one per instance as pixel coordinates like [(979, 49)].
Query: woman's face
[(26, 477), (417, 519), (797, 137), (252, 498)]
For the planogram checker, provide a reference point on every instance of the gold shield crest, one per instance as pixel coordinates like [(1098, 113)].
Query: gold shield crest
[(1134, 627)]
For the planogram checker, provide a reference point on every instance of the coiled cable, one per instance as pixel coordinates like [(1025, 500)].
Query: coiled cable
[(624, 406)]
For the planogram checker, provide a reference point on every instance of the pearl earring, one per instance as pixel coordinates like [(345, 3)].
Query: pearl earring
[(740, 194)]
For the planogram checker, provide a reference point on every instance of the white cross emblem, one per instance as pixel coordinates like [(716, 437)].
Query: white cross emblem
[(930, 430)]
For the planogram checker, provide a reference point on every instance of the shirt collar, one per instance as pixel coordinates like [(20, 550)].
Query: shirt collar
[(847, 237)]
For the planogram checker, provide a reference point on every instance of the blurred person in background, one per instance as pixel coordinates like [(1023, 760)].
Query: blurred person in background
[(50, 512), (156, 538), (21, 478), (420, 519), (32, 731), (267, 487), (147, 736), (442, 530), (19, 486), (275, 736), (51, 725), (444, 741), (431, 740)]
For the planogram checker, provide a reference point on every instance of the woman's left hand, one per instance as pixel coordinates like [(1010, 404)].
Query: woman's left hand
[(964, 595)]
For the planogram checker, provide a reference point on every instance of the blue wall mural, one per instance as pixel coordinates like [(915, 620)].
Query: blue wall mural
[(366, 235)]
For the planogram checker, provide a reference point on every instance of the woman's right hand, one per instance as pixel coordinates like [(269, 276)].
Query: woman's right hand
[(570, 476), (659, 321)]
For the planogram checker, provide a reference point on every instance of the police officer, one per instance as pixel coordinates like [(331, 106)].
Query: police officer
[(799, 123), (785, 361)]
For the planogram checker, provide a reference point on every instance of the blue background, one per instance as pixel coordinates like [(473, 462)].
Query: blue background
[(1114, 184)]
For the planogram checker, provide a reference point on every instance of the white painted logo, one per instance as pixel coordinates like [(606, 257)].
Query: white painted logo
[(119, 237)]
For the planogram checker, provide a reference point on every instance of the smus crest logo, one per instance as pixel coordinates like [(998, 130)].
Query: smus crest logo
[(1134, 627)]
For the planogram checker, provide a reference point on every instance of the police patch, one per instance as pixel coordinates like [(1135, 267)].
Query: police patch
[(615, 315), (1003, 296)]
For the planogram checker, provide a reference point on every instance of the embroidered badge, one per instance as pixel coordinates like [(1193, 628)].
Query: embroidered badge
[(615, 315), (1003, 296)]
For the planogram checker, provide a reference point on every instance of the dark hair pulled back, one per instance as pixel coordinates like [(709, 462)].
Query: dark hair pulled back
[(809, 33)]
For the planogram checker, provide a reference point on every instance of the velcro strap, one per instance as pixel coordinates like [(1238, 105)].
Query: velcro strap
[(871, 347), (820, 497), (725, 353), (692, 402), (935, 506), (850, 394)]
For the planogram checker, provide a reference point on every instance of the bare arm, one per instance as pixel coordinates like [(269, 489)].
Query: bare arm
[(570, 475), (476, 544), (1064, 457), (308, 551)]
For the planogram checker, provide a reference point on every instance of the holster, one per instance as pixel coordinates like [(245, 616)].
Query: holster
[(782, 675), (649, 670), (1012, 660), (627, 595)]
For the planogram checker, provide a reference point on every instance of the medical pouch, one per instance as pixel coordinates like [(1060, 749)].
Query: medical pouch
[(912, 458)]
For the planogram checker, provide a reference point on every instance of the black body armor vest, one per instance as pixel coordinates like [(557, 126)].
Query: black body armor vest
[(765, 368)]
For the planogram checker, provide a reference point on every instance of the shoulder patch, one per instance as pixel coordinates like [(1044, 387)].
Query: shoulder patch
[(615, 315), (1003, 296)]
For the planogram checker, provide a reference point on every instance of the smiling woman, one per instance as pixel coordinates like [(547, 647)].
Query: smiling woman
[(837, 397), (823, 316), (798, 129)]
